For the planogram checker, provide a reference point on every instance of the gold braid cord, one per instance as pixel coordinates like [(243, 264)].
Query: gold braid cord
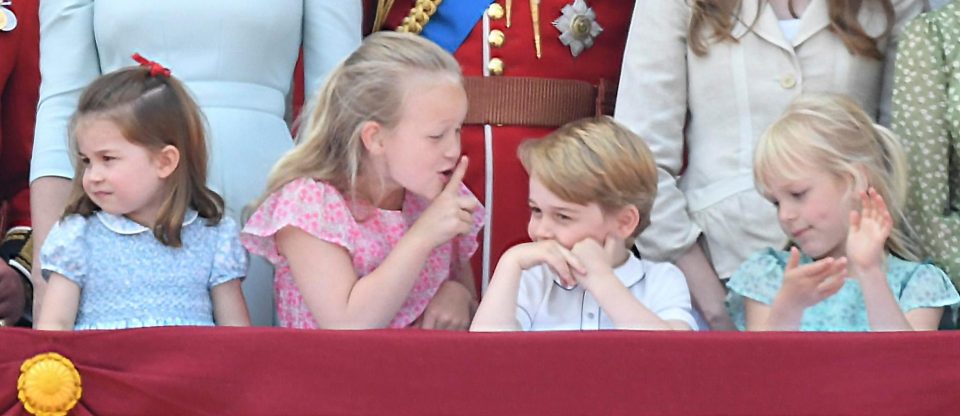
[(419, 16), (383, 9)]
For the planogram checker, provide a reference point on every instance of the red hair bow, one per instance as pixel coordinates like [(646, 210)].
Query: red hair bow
[(155, 68)]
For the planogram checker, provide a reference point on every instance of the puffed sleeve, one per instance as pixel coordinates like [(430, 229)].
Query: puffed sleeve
[(312, 206), (230, 260), (921, 105), (331, 31), (905, 11), (65, 251), (652, 102), (467, 244), (759, 278), (928, 287), (68, 62)]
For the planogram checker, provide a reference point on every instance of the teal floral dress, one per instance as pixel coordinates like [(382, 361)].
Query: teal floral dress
[(914, 285)]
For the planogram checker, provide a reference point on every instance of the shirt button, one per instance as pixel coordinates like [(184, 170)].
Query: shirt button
[(495, 11), (590, 315), (788, 81), (495, 66), (496, 38)]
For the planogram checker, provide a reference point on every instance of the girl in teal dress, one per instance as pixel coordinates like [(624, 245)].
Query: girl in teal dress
[(839, 182)]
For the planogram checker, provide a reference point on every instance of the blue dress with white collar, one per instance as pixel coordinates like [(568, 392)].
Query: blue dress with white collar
[(129, 279)]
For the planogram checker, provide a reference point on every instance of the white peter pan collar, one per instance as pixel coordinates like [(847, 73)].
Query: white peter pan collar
[(123, 225)]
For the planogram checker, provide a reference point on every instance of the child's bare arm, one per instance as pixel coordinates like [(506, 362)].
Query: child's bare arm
[(336, 297), (229, 307), (60, 304), (869, 230), (498, 310)]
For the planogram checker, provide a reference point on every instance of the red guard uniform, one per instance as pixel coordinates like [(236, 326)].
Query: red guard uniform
[(19, 89), (514, 95)]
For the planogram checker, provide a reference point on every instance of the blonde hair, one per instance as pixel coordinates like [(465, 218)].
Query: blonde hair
[(831, 133), (718, 18), (153, 112), (367, 86), (595, 160)]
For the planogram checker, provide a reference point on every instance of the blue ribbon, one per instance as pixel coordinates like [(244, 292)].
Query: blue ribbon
[(453, 21)]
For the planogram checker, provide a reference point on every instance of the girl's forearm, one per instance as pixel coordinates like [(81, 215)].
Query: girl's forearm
[(883, 311), (374, 300), (784, 315)]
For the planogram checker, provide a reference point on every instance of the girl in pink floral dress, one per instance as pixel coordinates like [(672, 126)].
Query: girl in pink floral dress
[(366, 219)]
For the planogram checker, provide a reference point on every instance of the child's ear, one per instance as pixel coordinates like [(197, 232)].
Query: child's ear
[(627, 219), (372, 135), (166, 161)]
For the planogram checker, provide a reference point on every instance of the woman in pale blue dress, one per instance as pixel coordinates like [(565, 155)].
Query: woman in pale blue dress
[(237, 58)]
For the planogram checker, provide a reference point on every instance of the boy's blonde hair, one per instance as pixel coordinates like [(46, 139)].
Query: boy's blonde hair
[(152, 111), (831, 133), (367, 86), (595, 160)]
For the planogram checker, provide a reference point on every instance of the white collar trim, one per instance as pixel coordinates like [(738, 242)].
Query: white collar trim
[(123, 225)]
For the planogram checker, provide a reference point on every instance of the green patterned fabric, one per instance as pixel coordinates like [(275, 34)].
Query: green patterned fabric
[(926, 115)]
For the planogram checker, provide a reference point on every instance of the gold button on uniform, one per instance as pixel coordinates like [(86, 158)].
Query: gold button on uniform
[(495, 66), (496, 38), (495, 11), (788, 81)]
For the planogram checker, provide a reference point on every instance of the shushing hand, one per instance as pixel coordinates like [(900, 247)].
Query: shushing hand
[(449, 214)]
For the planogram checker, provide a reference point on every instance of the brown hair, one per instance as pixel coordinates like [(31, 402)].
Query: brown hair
[(595, 160), (153, 112), (718, 17)]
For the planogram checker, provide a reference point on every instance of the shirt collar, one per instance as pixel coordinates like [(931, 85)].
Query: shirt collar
[(123, 225), (631, 272)]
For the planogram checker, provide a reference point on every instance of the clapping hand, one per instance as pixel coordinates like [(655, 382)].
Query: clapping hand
[(869, 230), (807, 285)]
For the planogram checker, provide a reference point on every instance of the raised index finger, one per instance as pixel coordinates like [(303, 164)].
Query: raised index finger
[(456, 178)]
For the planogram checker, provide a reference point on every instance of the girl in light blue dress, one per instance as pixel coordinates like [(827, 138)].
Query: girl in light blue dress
[(838, 182), (143, 241), (236, 57)]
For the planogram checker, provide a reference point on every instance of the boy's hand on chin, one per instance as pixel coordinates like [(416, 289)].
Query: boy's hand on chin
[(598, 260), (551, 253)]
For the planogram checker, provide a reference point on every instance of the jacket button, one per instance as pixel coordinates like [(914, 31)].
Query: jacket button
[(788, 81), (495, 11), (495, 66), (496, 38)]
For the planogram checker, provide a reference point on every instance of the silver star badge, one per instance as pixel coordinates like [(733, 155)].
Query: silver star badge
[(578, 26)]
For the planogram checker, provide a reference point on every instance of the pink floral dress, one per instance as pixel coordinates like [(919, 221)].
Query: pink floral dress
[(319, 209)]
